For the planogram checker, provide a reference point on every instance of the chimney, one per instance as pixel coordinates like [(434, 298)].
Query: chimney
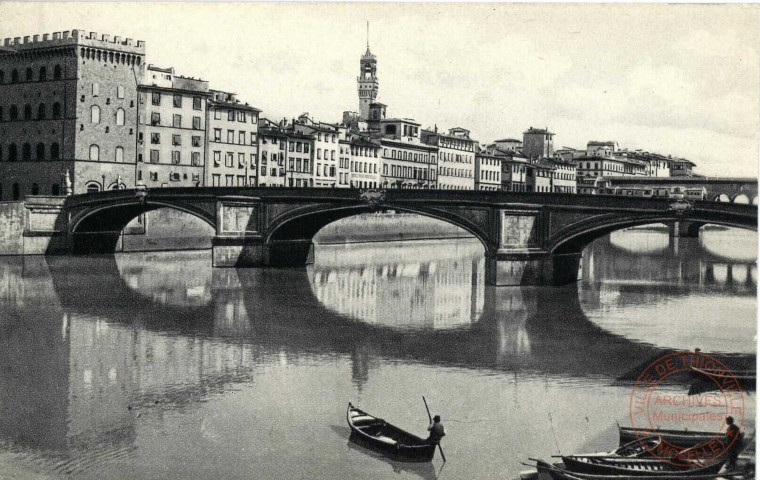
[(26, 39), (56, 35), (93, 35), (128, 41), (7, 42), (65, 34), (36, 38), (45, 37), (116, 39), (106, 37)]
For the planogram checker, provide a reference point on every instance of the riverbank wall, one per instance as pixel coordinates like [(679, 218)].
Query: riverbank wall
[(170, 230)]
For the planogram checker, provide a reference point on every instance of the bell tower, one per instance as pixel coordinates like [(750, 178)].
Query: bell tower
[(367, 82)]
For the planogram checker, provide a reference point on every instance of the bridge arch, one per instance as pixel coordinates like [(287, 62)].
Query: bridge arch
[(303, 224), (741, 199), (97, 229)]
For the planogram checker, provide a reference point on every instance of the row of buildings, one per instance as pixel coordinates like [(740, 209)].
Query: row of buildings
[(82, 112)]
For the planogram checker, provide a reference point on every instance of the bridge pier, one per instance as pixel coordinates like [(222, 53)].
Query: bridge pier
[(246, 253), (684, 229), (535, 268)]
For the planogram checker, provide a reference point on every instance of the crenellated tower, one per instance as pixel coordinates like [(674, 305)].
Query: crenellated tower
[(367, 83)]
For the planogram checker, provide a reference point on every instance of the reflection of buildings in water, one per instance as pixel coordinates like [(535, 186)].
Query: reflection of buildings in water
[(430, 291), (511, 308), (684, 262), (169, 278)]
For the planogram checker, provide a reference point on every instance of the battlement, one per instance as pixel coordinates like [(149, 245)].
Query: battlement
[(74, 37)]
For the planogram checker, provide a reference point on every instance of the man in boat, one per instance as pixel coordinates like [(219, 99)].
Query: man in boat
[(733, 434), (436, 431)]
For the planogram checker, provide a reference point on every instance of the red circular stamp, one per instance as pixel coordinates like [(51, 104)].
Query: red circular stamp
[(692, 429)]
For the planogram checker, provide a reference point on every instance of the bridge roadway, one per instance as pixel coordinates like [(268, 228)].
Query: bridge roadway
[(529, 238)]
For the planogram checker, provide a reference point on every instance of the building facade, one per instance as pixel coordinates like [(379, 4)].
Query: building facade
[(487, 172), (232, 143), (68, 109), (272, 147), (171, 138), (364, 166), (538, 143), (456, 158), (367, 83), (325, 138)]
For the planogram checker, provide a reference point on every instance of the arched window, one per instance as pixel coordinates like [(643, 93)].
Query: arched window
[(35, 189), (12, 152), (57, 72), (54, 151), (29, 74), (40, 151), (26, 152), (41, 112), (27, 112), (13, 112), (119, 157), (94, 152), (55, 189), (2, 76), (43, 74), (14, 76), (119, 116), (56, 110), (93, 187), (1, 114), (16, 191), (95, 114)]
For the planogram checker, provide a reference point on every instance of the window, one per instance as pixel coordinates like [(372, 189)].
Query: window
[(55, 189), (2, 76), (154, 176), (27, 112), (215, 180), (95, 89), (253, 138), (177, 121), (56, 110), (41, 112), (241, 137), (94, 152), (155, 119), (217, 114), (230, 136), (229, 180), (26, 152), (155, 138), (119, 116), (229, 160), (54, 151), (119, 91), (230, 115), (175, 157), (154, 156), (253, 160), (196, 141), (177, 100), (241, 160), (196, 123), (195, 158), (16, 191), (197, 103), (57, 72), (40, 151), (14, 76), (43, 74), (119, 155), (176, 139), (217, 158)]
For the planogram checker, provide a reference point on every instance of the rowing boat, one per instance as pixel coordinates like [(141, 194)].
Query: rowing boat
[(636, 467), (558, 473), (379, 435), (680, 438)]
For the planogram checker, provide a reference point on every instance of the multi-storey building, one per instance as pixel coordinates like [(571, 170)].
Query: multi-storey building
[(231, 142), (514, 172), (406, 161), (680, 167), (325, 138), (612, 166), (601, 149), (364, 166), (272, 147), (539, 174), (299, 159), (456, 158), (538, 143), (171, 127), (487, 171), (507, 144), (68, 107), (344, 162), (563, 175)]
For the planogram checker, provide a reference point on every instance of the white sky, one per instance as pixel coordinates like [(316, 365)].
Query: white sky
[(675, 79)]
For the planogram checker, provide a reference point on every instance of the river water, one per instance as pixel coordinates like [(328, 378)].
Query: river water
[(157, 366)]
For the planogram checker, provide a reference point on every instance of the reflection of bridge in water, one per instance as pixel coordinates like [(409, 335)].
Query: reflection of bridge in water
[(684, 263), (127, 337)]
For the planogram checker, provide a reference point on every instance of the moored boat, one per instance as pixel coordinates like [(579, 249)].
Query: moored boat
[(559, 473), (636, 467), (381, 436), (681, 438)]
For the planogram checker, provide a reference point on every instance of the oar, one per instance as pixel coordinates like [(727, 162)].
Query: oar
[(440, 449)]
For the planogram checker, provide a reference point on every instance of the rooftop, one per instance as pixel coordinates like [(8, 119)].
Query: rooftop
[(542, 131)]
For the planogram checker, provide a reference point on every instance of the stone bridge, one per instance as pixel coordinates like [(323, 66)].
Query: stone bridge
[(529, 238), (719, 189)]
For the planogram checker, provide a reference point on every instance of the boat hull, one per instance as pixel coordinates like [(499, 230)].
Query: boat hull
[(382, 437)]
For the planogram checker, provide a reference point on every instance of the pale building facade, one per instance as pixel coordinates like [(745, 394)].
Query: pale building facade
[(272, 146), (232, 142), (171, 138), (364, 165), (456, 158), (487, 172)]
